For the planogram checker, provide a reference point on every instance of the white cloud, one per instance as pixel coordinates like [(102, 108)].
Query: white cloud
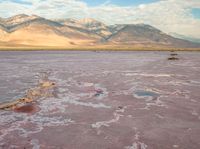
[(167, 15)]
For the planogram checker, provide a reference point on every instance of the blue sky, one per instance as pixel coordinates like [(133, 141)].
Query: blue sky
[(100, 2), (22, 2), (118, 2), (196, 13)]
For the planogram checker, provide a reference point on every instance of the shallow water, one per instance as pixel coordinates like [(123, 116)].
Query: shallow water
[(99, 102)]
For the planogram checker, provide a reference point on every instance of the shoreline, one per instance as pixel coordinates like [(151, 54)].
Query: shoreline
[(96, 49)]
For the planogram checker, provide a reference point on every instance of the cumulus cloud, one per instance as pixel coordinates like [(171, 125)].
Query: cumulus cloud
[(171, 16)]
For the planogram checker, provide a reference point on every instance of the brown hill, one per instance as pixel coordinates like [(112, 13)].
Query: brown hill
[(144, 35)]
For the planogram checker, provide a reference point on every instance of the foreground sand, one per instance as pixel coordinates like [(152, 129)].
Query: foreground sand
[(102, 100)]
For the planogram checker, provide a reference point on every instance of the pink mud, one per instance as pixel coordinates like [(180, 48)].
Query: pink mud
[(106, 100)]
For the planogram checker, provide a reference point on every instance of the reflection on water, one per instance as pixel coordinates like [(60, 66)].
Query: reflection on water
[(146, 94), (97, 100)]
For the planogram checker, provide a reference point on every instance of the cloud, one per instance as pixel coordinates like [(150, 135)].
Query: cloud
[(168, 15)]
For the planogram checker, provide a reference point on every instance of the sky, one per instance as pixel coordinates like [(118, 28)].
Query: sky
[(171, 16)]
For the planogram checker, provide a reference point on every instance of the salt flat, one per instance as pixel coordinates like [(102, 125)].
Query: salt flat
[(102, 100)]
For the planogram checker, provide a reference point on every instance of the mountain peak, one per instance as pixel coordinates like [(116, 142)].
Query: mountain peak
[(88, 20), (22, 16), (18, 19), (67, 21), (18, 16), (92, 24)]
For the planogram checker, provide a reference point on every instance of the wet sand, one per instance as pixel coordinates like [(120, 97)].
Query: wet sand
[(103, 100)]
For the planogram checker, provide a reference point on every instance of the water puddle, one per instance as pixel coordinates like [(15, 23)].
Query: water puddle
[(45, 88), (147, 95), (98, 93), (29, 108)]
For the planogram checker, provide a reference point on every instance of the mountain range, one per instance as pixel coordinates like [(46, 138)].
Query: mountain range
[(192, 39), (25, 30)]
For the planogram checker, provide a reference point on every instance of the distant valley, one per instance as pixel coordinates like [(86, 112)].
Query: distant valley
[(24, 30)]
